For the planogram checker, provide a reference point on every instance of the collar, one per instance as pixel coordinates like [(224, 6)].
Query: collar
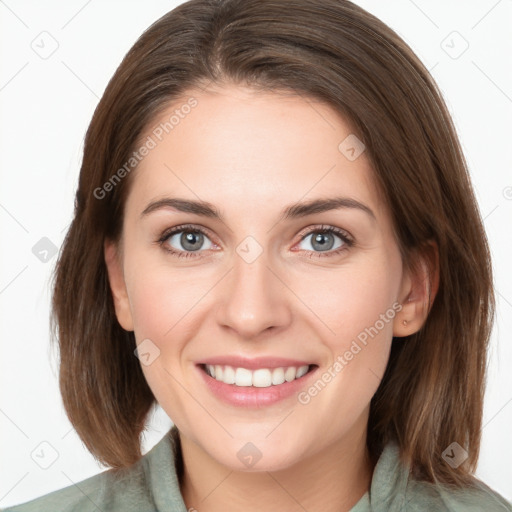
[(164, 465)]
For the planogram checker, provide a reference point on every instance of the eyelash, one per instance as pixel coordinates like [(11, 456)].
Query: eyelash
[(348, 242)]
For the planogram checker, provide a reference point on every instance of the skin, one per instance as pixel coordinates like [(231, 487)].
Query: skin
[(251, 154)]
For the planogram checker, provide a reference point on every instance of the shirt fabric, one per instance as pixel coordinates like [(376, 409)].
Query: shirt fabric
[(152, 485)]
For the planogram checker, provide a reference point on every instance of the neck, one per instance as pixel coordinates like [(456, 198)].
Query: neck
[(331, 480)]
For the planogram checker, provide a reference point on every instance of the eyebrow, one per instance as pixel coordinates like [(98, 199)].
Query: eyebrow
[(293, 211)]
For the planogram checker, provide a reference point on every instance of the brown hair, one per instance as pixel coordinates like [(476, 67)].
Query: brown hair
[(332, 50)]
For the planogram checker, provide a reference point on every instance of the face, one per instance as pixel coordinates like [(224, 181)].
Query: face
[(252, 288)]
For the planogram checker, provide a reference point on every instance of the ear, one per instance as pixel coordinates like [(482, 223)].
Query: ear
[(118, 285), (418, 291)]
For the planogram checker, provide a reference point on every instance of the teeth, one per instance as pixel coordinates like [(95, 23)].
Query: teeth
[(260, 378), (243, 377)]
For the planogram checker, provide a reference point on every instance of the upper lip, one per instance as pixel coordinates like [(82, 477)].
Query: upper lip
[(254, 363)]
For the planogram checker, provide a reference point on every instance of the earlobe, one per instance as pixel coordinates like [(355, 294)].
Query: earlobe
[(118, 285), (418, 291)]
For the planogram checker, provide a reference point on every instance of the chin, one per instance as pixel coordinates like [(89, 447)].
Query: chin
[(252, 453)]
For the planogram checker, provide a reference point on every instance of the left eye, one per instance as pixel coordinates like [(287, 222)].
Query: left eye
[(190, 239), (323, 239)]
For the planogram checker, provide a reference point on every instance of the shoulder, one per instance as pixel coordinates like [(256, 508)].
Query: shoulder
[(127, 489), (106, 491), (423, 495), (393, 488)]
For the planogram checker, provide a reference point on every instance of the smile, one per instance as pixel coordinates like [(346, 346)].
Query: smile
[(260, 378), (256, 388)]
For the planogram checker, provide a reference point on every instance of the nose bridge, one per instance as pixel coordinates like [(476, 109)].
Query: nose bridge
[(255, 298)]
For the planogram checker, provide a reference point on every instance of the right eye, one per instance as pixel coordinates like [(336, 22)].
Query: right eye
[(191, 238)]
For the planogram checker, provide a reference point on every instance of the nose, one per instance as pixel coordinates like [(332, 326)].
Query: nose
[(254, 298)]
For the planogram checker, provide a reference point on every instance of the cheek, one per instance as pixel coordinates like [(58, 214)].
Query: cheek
[(357, 306), (152, 305), (161, 297), (349, 300), (366, 306), (162, 304)]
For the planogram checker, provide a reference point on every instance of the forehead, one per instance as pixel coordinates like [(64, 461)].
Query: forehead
[(244, 148)]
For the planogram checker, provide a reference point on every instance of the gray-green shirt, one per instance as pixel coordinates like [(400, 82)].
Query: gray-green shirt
[(152, 485)]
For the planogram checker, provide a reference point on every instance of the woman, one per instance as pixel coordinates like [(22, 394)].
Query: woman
[(274, 215)]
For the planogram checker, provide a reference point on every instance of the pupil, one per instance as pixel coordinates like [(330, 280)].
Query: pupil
[(320, 238), (191, 239)]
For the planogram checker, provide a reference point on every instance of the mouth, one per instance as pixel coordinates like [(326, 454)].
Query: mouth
[(257, 378)]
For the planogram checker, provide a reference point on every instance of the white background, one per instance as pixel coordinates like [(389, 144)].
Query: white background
[(46, 105)]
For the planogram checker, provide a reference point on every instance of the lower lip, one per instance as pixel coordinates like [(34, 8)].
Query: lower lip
[(250, 396)]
